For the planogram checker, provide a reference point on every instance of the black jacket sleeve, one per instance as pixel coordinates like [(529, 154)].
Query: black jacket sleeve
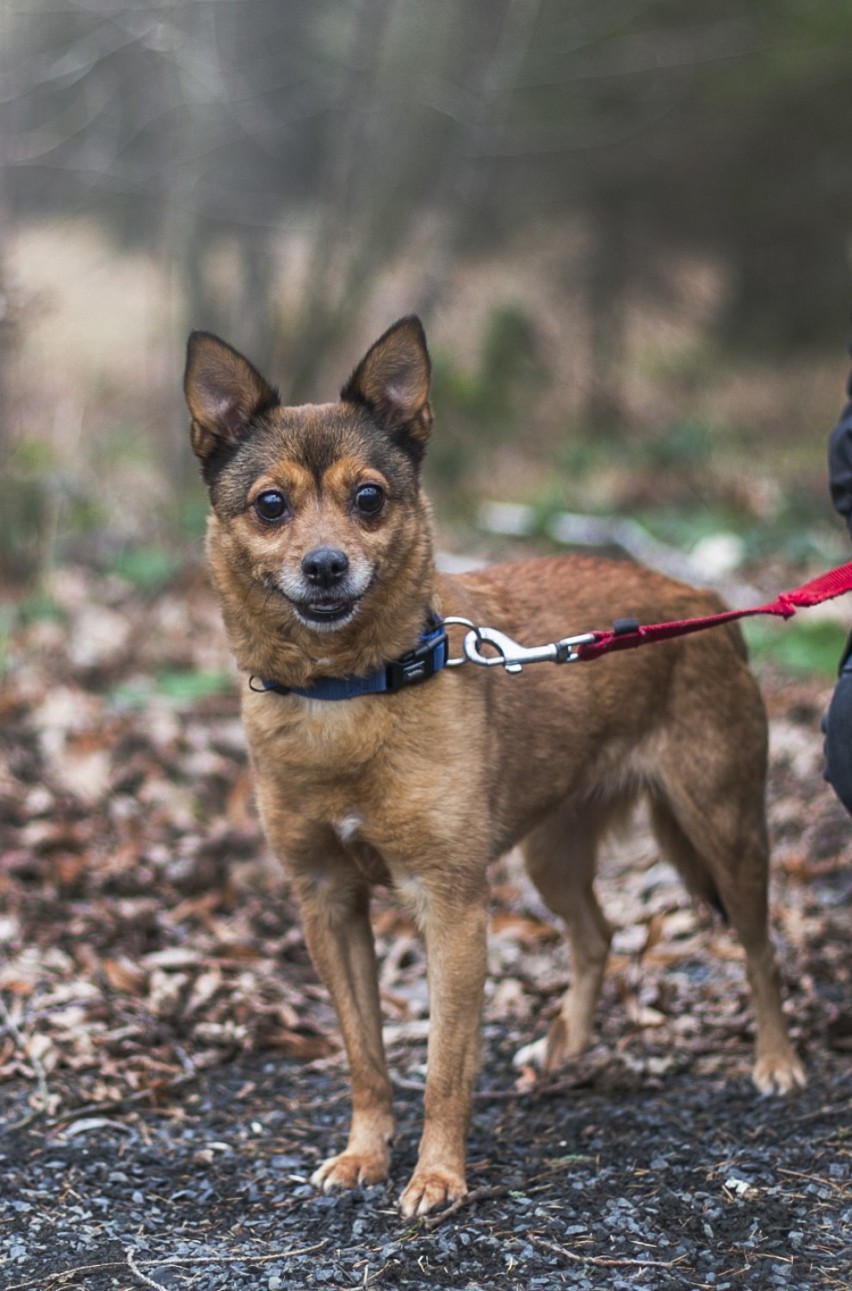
[(840, 467), (840, 462)]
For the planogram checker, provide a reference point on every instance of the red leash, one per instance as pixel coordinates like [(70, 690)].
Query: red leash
[(627, 634)]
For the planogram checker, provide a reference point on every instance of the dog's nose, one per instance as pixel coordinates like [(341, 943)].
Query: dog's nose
[(325, 566)]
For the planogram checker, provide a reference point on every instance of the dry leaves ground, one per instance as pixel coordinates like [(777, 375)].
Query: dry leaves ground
[(165, 1048)]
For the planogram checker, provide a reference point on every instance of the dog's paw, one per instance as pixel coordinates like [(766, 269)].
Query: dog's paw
[(428, 1189), (779, 1073), (351, 1168), (552, 1051), (531, 1055)]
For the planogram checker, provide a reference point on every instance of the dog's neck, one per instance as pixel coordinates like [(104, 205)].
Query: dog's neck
[(411, 669)]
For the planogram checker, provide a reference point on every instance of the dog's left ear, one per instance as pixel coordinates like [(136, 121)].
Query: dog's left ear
[(224, 394), (392, 380)]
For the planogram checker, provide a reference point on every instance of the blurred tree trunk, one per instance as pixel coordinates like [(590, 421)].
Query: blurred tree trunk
[(6, 310), (345, 247), (185, 234), (505, 32), (6, 338), (606, 281)]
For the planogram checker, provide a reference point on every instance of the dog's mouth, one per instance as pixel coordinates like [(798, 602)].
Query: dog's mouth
[(325, 613), (320, 608)]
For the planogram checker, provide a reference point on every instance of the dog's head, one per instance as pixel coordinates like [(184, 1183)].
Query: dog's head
[(316, 508)]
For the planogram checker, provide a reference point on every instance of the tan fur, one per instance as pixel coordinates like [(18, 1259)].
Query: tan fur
[(422, 789)]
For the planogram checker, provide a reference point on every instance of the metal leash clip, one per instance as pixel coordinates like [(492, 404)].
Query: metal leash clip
[(510, 654)]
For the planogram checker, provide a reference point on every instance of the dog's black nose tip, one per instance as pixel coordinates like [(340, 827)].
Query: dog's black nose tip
[(325, 566)]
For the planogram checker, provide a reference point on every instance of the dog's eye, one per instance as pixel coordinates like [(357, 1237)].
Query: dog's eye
[(270, 506), (369, 499)]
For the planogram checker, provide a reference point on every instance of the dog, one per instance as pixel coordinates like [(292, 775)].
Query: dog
[(375, 763)]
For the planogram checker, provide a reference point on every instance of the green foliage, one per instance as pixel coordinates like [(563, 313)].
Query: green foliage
[(797, 535), (40, 501), (801, 546), (193, 507), (683, 527), (147, 568), (800, 646), (508, 366), (34, 606), (8, 619), (683, 444), (181, 687), (481, 409)]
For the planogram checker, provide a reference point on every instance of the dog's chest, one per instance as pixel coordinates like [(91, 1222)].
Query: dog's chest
[(316, 744), (335, 764)]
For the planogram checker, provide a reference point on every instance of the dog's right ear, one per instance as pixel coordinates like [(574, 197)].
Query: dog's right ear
[(224, 394)]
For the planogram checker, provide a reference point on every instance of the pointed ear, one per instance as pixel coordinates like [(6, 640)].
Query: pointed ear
[(224, 393), (392, 380)]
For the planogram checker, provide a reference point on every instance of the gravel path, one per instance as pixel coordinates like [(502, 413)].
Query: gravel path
[(168, 1073), (626, 1180)]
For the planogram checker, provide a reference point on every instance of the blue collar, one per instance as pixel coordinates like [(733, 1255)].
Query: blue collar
[(419, 664)]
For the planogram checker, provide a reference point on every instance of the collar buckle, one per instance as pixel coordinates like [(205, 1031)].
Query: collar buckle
[(418, 664)]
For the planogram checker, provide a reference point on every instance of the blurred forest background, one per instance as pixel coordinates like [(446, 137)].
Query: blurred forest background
[(626, 224)]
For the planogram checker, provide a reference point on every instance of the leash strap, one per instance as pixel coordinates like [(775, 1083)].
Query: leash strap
[(627, 634)]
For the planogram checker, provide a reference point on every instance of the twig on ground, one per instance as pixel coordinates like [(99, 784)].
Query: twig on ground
[(108, 1105), (842, 1189), (540, 1089), (42, 1097), (489, 1192), (48, 1280), (583, 1073), (478, 1194), (137, 1272), (173, 1260), (604, 1261)]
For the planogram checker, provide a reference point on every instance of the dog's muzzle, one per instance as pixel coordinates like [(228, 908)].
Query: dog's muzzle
[(326, 589)]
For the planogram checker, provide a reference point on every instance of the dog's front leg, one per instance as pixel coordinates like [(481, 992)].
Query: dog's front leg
[(335, 911), (455, 933)]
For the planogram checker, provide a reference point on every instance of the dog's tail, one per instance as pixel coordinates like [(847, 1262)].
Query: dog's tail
[(678, 849)]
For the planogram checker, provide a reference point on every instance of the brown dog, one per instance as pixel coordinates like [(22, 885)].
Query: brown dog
[(320, 547)]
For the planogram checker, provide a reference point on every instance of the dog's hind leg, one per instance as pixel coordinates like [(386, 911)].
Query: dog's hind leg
[(560, 857), (709, 818)]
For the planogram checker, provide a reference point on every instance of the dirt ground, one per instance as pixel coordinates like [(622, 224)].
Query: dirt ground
[(169, 1068)]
